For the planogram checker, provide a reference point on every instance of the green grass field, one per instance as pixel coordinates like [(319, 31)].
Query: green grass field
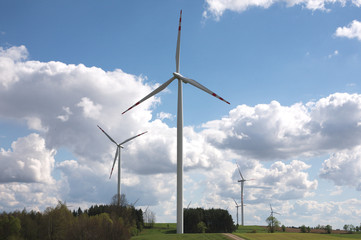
[(251, 229), (297, 236), (165, 231)]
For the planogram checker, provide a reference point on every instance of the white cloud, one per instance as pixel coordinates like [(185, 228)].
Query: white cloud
[(344, 168), (216, 8), (66, 116), (357, 2), (90, 96), (352, 30), (8, 59), (163, 115), (90, 110), (271, 131), (334, 213), (281, 181), (28, 161), (33, 196)]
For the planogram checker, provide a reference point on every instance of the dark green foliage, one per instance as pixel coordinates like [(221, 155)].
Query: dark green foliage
[(97, 222), (9, 226), (192, 216), (283, 228), (273, 224), (197, 220), (328, 229), (303, 229)]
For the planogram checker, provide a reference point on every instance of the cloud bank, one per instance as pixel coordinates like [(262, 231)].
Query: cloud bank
[(216, 8), (61, 105)]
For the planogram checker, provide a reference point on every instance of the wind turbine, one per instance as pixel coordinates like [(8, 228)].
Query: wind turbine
[(242, 180), (117, 155), (237, 206), (181, 79), (189, 204), (272, 212)]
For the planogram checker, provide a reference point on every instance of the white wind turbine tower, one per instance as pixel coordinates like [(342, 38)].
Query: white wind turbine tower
[(237, 206), (118, 155), (242, 180), (180, 78)]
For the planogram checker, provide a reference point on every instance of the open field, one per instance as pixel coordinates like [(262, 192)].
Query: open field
[(165, 231), (251, 229), (296, 236)]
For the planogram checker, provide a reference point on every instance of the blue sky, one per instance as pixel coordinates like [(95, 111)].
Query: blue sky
[(290, 69)]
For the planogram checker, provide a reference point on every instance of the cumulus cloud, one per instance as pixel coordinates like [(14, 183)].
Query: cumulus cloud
[(28, 161), (323, 213), (163, 115), (87, 96), (271, 131), (344, 168), (352, 30), (280, 181), (216, 8), (67, 120)]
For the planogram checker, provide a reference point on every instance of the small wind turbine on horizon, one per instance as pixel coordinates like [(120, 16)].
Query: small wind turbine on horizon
[(272, 212), (181, 79), (237, 206), (272, 218), (118, 156), (242, 180)]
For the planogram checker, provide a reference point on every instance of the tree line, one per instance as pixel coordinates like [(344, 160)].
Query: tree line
[(199, 220), (58, 223)]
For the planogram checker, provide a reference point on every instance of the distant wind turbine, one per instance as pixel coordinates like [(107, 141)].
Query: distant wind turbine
[(272, 212), (237, 206), (177, 75), (117, 155), (242, 180)]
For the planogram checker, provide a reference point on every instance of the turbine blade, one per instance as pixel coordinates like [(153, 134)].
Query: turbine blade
[(115, 159), (271, 207), (111, 139), (200, 86), (157, 90), (239, 170), (177, 55), (132, 138), (235, 202)]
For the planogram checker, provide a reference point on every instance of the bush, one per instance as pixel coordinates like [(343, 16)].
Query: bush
[(201, 227), (328, 229)]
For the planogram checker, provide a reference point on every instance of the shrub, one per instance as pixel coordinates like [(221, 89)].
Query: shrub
[(201, 227)]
